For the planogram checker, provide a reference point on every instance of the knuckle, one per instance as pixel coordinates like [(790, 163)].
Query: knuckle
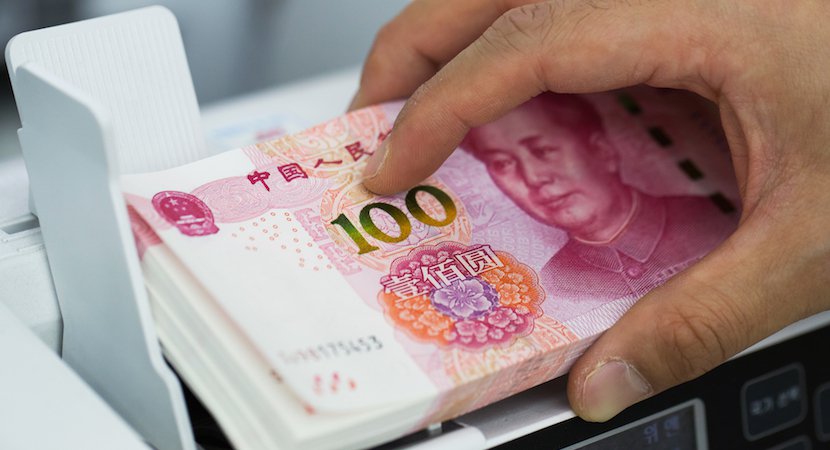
[(377, 60), (695, 338), (384, 41), (385, 33), (523, 28)]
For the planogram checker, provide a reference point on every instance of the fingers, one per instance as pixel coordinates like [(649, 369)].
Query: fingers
[(414, 45), (744, 291), (559, 46), (469, 90)]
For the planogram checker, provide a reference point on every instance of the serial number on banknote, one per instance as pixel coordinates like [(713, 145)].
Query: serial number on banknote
[(331, 350)]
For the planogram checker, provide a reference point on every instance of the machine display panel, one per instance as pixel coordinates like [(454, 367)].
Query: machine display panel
[(681, 427)]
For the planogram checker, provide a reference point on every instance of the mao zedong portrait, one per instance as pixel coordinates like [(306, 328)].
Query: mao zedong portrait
[(552, 157)]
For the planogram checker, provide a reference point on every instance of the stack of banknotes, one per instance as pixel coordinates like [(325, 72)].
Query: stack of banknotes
[(307, 312)]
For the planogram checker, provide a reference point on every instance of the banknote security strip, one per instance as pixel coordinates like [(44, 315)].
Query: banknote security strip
[(307, 312), (722, 203), (659, 135), (690, 169)]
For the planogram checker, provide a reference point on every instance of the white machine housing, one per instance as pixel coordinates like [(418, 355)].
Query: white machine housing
[(100, 98)]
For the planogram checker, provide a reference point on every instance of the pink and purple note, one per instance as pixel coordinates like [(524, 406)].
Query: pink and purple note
[(537, 234)]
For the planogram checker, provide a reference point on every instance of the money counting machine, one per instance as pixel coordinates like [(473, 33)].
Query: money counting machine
[(82, 367)]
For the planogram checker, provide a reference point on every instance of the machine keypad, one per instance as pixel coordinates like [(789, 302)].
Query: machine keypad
[(799, 443), (773, 401), (823, 412)]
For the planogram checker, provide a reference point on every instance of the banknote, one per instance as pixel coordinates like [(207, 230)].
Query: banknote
[(488, 278)]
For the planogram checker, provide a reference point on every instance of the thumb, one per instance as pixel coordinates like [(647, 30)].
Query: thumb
[(745, 290)]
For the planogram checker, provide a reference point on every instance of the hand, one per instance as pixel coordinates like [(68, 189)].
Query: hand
[(763, 62)]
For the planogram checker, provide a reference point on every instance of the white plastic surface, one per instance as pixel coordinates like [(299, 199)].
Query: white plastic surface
[(97, 98), (14, 186), (45, 406), (108, 333), (521, 414), (288, 108), (465, 438), (25, 280), (134, 65)]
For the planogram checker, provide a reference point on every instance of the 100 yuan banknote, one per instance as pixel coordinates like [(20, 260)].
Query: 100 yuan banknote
[(490, 277)]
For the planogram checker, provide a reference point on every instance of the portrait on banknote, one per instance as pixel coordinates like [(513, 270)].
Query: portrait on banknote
[(553, 158)]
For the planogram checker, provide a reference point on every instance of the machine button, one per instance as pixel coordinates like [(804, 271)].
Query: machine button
[(773, 401), (823, 412), (799, 443)]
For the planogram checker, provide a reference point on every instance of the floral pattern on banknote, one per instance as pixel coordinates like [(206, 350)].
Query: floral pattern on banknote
[(541, 355), (466, 296)]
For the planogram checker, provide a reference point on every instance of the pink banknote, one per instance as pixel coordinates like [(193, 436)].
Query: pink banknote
[(538, 233)]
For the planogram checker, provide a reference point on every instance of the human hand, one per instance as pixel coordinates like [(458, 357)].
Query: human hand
[(764, 63)]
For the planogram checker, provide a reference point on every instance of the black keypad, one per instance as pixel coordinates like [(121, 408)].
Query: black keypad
[(773, 401), (823, 412), (799, 443)]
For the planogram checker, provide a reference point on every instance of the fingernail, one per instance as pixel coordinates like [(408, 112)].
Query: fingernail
[(377, 160), (610, 388)]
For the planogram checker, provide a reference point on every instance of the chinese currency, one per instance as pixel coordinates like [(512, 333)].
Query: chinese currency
[(490, 277)]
